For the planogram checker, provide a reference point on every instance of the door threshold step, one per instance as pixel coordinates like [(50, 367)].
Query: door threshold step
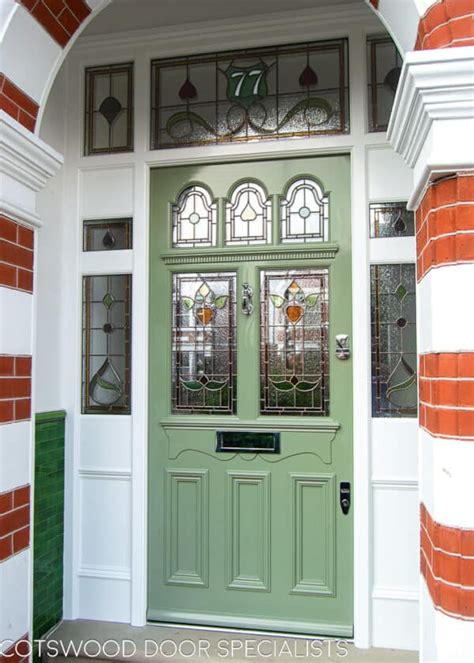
[(86, 641)]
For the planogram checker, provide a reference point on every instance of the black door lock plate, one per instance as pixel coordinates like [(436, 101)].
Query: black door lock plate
[(345, 496)]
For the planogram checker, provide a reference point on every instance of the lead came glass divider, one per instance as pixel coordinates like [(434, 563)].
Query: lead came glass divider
[(248, 216), (295, 90), (394, 356), (304, 213), (106, 344), (294, 362), (108, 125), (204, 378)]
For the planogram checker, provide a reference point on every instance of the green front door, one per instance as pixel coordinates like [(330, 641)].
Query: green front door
[(250, 406)]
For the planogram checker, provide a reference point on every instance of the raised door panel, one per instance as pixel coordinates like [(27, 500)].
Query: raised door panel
[(187, 527), (314, 546), (248, 522)]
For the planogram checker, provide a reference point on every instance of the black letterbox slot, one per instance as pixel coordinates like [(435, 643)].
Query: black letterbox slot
[(248, 441)]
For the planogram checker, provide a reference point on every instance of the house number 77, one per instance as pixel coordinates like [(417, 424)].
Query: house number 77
[(258, 73)]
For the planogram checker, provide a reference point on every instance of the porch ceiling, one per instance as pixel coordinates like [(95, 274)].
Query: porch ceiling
[(125, 15)]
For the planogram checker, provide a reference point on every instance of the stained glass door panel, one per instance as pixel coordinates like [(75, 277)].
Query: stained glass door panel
[(250, 534)]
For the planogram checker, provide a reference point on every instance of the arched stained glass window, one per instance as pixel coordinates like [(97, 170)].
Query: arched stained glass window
[(304, 213), (248, 217), (194, 218)]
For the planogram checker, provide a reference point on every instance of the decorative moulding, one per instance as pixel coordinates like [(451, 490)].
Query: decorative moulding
[(436, 86), (314, 251), (25, 157), (25, 160)]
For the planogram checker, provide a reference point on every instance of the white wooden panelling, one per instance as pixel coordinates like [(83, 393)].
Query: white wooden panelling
[(105, 521), (389, 178), (16, 318), (395, 623), (443, 300), (107, 262), (107, 192), (392, 249), (105, 599), (15, 455), (396, 540), (105, 442), (395, 448), (15, 593)]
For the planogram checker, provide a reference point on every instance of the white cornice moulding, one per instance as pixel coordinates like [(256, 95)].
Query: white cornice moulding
[(19, 214), (436, 87), (282, 27), (24, 157)]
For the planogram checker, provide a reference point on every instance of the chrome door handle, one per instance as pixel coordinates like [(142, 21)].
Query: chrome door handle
[(342, 346)]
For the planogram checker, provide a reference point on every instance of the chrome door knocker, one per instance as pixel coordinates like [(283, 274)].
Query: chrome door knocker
[(247, 294), (342, 346)]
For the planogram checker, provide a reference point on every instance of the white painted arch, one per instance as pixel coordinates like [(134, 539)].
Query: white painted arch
[(32, 59)]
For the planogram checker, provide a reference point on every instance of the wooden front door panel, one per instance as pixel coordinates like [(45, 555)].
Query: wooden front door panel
[(242, 537)]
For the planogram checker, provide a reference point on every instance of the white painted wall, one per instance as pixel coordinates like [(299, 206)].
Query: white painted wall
[(105, 572)]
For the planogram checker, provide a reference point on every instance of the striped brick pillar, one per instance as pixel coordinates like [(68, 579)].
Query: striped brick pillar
[(432, 127), (445, 254), (26, 164)]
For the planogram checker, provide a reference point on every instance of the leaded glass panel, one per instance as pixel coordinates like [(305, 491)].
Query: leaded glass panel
[(296, 90), (194, 218), (304, 213), (294, 368), (107, 234), (394, 358), (204, 376), (384, 65), (106, 344), (391, 220), (108, 123), (248, 216)]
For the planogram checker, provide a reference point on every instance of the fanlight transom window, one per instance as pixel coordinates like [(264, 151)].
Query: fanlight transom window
[(248, 216), (194, 218), (304, 213)]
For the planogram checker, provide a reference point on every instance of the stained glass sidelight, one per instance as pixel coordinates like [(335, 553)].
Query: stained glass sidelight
[(384, 65), (394, 359), (294, 342), (297, 90), (304, 213), (194, 218), (106, 344), (391, 220), (204, 376), (107, 234), (248, 216), (109, 109)]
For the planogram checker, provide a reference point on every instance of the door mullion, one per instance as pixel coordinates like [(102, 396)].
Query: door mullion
[(248, 352)]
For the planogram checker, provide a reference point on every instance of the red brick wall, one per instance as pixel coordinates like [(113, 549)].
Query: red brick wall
[(16, 255), (445, 223), (15, 388), (60, 18), (17, 104), (14, 521), (447, 394), (447, 564), (447, 23), (18, 652)]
